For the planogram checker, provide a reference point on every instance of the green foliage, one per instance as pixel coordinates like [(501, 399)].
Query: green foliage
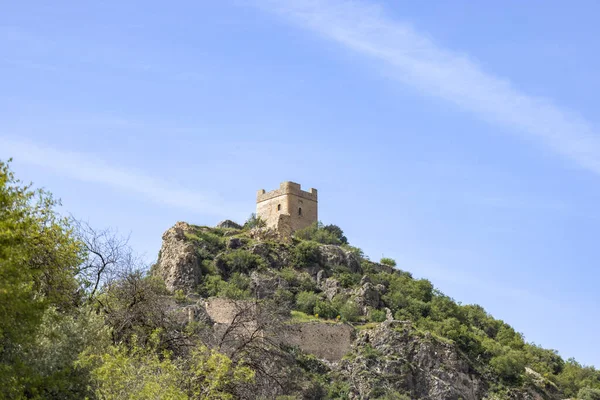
[(349, 311), (209, 243), (306, 302), (390, 262), (180, 296), (377, 315), (588, 394), (254, 222), (324, 309), (317, 232), (345, 278), (133, 373), (306, 254), (39, 258), (297, 281), (213, 375), (336, 232), (239, 260), (575, 377), (338, 390), (509, 366), (237, 287), (299, 316), (146, 372)]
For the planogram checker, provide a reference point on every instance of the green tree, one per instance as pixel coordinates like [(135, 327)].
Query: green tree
[(38, 261)]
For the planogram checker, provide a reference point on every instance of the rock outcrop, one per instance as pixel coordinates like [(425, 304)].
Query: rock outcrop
[(332, 256), (394, 356), (229, 224), (178, 262)]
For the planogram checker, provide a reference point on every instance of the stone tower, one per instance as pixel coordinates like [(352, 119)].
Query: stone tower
[(288, 208)]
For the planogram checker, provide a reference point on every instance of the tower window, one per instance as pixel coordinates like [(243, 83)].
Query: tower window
[(300, 211), (278, 207)]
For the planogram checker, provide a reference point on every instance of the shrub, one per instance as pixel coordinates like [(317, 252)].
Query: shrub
[(589, 394), (180, 296), (236, 288), (347, 279), (254, 221), (336, 232), (306, 254), (239, 260), (377, 315), (330, 234), (211, 286), (325, 309), (349, 311), (208, 242), (306, 301), (509, 366), (390, 262)]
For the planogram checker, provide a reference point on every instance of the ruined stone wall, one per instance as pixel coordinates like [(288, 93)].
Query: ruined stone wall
[(289, 199), (324, 340)]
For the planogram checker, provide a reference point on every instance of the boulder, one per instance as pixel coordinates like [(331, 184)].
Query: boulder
[(234, 243), (331, 255), (229, 224), (367, 296), (178, 262), (331, 287)]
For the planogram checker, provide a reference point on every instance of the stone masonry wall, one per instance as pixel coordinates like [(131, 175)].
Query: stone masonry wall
[(324, 340), (288, 199)]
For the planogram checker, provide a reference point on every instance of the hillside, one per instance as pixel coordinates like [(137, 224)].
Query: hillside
[(242, 312), (406, 340)]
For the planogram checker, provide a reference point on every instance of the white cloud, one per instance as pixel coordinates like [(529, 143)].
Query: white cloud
[(417, 61), (88, 168)]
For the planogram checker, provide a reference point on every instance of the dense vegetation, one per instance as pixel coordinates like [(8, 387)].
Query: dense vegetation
[(80, 317)]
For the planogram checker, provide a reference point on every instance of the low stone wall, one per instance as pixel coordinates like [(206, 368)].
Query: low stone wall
[(327, 341), (220, 310)]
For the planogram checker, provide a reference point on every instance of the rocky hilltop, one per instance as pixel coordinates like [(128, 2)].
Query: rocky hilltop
[(320, 320)]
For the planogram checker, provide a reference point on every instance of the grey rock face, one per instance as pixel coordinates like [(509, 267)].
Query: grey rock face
[(178, 263), (367, 296), (332, 255), (423, 367), (234, 243), (228, 224), (331, 287)]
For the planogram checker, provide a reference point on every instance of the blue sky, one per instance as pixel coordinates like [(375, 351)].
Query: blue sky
[(459, 138)]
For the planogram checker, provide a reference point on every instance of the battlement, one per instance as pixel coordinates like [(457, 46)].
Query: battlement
[(286, 188), (288, 208)]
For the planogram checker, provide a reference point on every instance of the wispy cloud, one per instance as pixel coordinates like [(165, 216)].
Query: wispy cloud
[(415, 60), (89, 168)]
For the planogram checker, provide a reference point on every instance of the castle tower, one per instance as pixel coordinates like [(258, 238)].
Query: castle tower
[(289, 205)]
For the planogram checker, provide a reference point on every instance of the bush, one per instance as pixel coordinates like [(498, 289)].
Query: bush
[(349, 311), (325, 309), (588, 394), (180, 297), (390, 262), (306, 254), (330, 234), (239, 260), (306, 301), (254, 221), (347, 279), (509, 366), (236, 288), (377, 315)]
